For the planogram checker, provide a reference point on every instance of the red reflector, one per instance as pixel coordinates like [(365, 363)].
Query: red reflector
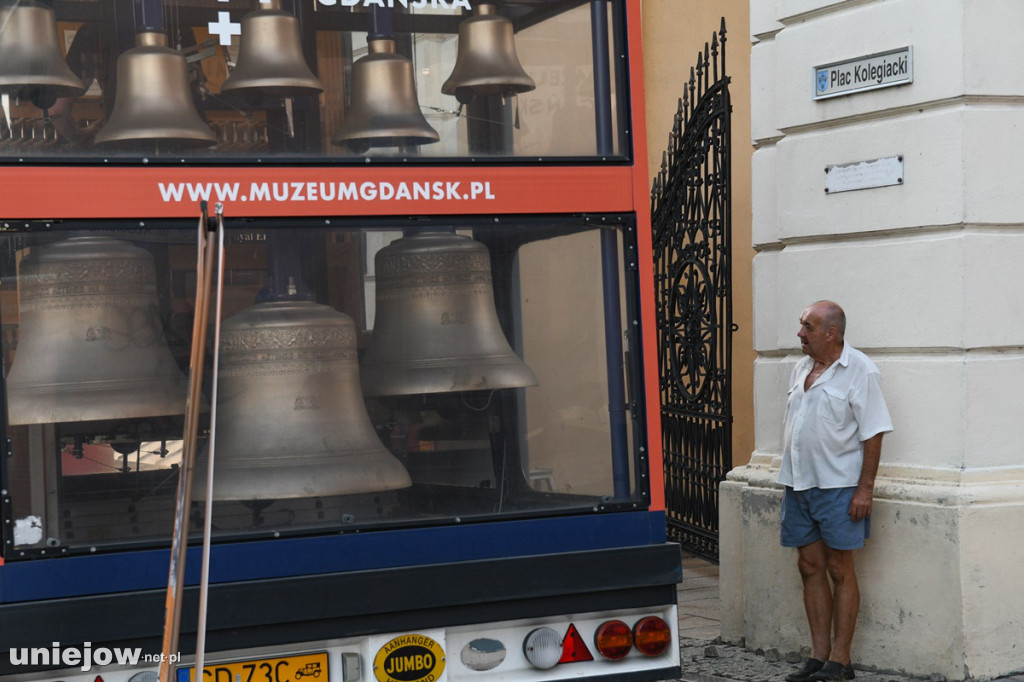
[(613, 639), (652, 636), (574, 649)]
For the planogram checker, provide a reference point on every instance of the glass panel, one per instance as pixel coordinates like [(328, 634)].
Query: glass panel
[(96, 329), (302, 83), (366, 378)]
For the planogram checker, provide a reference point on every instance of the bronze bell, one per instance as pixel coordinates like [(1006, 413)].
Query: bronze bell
[(153, 101), (90, 341), (291, 420), (31, 65), (384, 111), (270, 59), (436, 327), (486, 63)]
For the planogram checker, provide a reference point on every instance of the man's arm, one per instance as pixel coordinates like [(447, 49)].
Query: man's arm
[(860, 506)]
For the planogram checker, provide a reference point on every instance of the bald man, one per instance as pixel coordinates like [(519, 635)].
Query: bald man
[(835, 419)]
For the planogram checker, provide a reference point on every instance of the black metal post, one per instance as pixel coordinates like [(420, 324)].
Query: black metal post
[(610, 259), (285, 272), (149, 16), (382, 23)]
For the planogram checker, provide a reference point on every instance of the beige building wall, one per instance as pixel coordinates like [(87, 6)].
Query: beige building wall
[(926, 262), (675, 31)]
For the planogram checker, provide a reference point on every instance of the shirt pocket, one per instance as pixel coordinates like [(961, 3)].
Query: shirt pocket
[(834, 407)]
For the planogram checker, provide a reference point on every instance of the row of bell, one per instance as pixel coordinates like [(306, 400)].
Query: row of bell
[(154, 103), (291, 419)]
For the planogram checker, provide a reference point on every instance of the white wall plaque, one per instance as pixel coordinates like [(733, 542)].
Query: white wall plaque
[(864, 175), (881, 70)]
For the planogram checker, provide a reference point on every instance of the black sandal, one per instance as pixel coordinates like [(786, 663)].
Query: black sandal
[(833, 670), (811, 666)]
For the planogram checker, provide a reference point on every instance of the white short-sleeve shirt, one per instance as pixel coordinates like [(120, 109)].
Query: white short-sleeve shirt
[(826, 425)]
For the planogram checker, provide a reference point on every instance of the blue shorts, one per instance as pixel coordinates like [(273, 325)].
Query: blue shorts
[(822, 513)]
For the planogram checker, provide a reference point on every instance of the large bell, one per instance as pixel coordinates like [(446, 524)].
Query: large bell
[(90, 340), (153, 102), (270, 59), (486, 63), (436, 328), (31, 65), (384, 111), (291, 421)]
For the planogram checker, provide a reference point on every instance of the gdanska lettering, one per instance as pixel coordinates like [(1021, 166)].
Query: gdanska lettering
[(415, 4)]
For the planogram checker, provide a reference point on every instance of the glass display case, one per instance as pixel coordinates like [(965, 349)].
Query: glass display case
[(414, 410), (132, 81), (367, 377)]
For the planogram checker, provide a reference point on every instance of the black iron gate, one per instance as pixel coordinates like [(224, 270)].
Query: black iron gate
[(691, 217)]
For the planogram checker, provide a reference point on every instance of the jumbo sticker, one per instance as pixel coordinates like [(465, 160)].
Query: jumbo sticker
[(409, 658)]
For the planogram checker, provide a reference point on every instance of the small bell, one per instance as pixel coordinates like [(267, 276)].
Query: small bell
[(486, 63), (153, 102), (270, 59), (384, 111), (436, 327), (31, 65)]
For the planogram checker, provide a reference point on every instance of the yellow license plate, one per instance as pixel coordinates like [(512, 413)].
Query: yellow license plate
[(302, 668)]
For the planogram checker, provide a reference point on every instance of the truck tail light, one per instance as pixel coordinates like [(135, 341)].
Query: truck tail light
[(613, 639), (652, 636)]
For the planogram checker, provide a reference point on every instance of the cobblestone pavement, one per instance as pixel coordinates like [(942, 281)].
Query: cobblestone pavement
[(715, 660)]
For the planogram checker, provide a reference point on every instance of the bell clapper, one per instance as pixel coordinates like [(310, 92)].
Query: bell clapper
[(125, 448), (5, 102), (482, 408), (289, 115), (257, 507)]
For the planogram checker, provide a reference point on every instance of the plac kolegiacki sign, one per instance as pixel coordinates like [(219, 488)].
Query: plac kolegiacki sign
[(880, 70)]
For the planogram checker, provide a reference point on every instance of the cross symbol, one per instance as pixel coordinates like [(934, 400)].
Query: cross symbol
[(225, 28)]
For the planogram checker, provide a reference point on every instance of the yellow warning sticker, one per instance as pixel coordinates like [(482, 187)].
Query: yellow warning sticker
[(409, 658)]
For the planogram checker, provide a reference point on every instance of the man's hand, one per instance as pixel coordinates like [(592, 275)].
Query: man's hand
[(860, 505)]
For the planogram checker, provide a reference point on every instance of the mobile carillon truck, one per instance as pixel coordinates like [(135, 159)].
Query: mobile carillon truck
[(327, 344)]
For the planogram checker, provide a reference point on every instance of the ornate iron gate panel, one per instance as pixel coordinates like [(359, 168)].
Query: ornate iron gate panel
[(691, 218)]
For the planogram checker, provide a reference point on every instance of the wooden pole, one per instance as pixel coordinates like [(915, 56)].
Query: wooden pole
[(204, 578), (179, 540)]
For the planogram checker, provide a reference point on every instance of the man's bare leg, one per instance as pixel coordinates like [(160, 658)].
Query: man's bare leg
[(818, 601), (845, 601)]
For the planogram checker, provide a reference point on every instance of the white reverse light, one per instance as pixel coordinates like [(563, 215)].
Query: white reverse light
[(543, 648)]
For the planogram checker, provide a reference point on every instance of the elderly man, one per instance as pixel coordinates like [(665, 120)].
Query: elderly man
[(835, 419)]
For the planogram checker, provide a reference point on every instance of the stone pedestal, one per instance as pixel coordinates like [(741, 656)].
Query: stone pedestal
[(939, 578)]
